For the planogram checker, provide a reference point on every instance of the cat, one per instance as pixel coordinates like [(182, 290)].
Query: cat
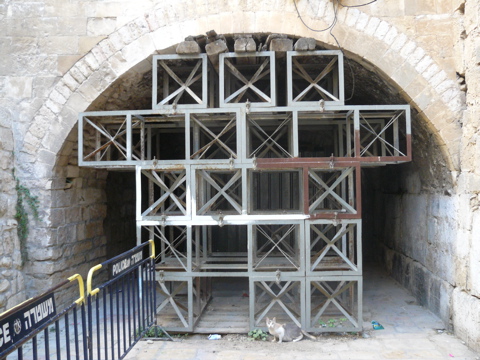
[(286, 332)]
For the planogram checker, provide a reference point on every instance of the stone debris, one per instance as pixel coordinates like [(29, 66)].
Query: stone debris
[(305, 44), (279, 43), (188, 47), (216, 44), (245, 44)]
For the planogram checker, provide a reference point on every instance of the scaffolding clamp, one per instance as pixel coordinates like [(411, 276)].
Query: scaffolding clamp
[(278, 274), (321, 103), (161, 276), (335, 220)]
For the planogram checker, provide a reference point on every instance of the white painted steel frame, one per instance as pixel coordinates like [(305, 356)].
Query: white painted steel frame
[(242, 134), (190, 254), (284, 283), (351, 238), (338, 78), (184, 86), (352, 291), (341, 189), (227, 70)]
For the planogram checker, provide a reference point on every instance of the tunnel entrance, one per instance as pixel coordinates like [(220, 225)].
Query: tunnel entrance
[(247, 187)]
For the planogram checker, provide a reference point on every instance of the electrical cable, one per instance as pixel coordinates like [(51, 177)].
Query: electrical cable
[(330, 28), (354, 6), (316, 30)]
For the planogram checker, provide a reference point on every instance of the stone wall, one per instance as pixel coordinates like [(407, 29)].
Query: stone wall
[(12, 288), (59, 57)]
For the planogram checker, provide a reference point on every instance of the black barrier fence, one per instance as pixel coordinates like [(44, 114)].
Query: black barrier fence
[(103, 324), (128, 297)]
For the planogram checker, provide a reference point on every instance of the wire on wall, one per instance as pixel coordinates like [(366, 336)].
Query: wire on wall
[(330, 28)]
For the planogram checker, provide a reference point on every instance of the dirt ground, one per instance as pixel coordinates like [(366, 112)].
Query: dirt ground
[(430, 344), (245, 343)]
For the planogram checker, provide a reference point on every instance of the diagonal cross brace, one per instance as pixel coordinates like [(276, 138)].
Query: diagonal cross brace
[(215, 138), (273, 138), (331, 298), (259, 74), (276, 299), (171, 246), (314, 83), (221, 191), (170, 299), (276, 245), (329, 190), (169, 191), (330, 244), (378, 136), (184, 86)]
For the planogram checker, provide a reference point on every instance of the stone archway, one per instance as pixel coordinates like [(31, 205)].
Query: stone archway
[(367, 39)]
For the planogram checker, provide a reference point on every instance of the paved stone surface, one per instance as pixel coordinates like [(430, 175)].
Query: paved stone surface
[(410, 332)]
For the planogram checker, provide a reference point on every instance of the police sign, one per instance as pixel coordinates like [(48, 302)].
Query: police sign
[(125, 263), (26, 320)]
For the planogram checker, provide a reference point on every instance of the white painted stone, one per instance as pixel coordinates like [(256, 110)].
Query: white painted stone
[(372, 26), (101, 25), (391, 35), (362, 22)]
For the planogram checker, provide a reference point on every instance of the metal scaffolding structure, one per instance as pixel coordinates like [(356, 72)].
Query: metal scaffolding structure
[(231, 185)]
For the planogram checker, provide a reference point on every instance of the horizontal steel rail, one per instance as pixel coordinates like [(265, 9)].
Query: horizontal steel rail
[(35, 329), (127, 297)]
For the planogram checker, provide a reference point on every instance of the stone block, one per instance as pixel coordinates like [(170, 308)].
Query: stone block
[(86, 43), (305, 44), (91, 61), (214, 49), (60, 45), (152, 21), (5, 262), (281, 46), (6, 139), (404, 75), (98, 26), (98, 54), (81, 231), (66, 234), (77, 76), (77, 102), (139, 27), (83, 69), (57, 217), (466, 317), (362, 22), (94, 229), (45, 254), (139, 50), (372, 26), (17, 87), (474, 251), (16, 299), (188, 47), (245, 45), (99, 252)]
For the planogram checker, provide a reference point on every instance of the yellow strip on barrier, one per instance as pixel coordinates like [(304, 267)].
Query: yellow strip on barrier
[(16, 306), (81, 286), (152, 249), (89, 280)]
